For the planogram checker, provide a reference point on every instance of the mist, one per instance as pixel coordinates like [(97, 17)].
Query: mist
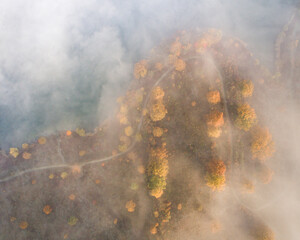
[(63, 65)]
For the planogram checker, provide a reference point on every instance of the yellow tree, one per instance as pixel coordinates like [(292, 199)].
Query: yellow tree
[(262, 145), (246, 117), (157, 93), (262, 232), (158, 110), (213, 97), (179, 64), (215, 174), (140, 69), (246, 87), (157, 171)]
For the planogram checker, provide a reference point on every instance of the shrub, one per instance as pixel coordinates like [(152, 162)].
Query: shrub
[(72, 220)]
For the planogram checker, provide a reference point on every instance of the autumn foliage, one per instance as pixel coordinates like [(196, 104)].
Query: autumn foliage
[(215, 174), (214, 122), (246, 88), (215, 119), (157, 108), (157, 93), (158, 164), (179, 64), (47, 209), (157, 170), (212, 36), (263, 232), (213, 97), (23, 225), (14, 152), (262, 146), (214, 132), (158, 111), (140, 69), (157, 132), (246, 117), (130, 205)]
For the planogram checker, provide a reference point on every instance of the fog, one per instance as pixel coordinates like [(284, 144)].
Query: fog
[(63, 64)]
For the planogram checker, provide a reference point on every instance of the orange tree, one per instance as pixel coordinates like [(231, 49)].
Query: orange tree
[(158, 110), (215, 174)]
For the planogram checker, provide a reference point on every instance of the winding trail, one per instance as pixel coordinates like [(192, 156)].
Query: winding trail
[(64, 165)]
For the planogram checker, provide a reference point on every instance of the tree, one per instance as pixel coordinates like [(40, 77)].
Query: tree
[(158, 167), (157, 93), (263, 232), (158, 163), (47, 209), (130, 205), (157, 108), (246, 117), (140, 69), (246, 88), (215, 174), (262, 146), (214, 132), (179, 64), (213, 97), (215, 119), (158, 111), (14, 152), (157, 170), (156, 185), (157, 132)]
